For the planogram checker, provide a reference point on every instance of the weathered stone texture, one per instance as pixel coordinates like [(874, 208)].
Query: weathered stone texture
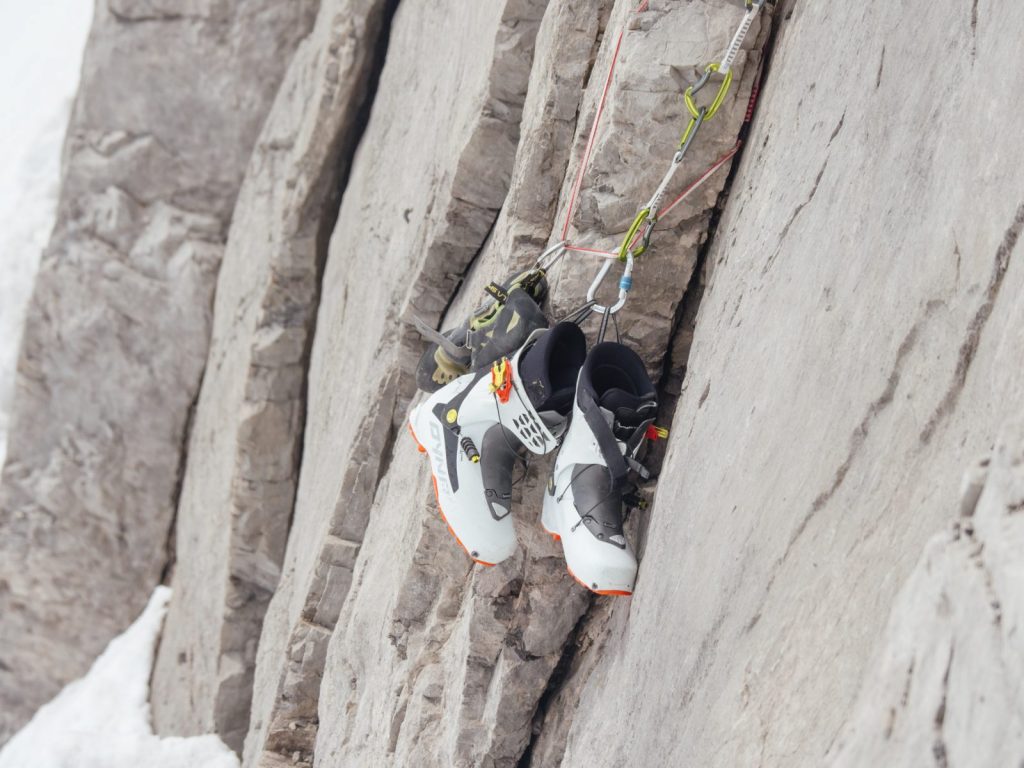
[(852, 341), (427, 182), (455, 659), (242, 467), (945, 686), (170, 102), (857, 345)]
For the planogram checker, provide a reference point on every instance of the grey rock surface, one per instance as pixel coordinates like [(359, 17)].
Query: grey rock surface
[(243, 456), (854, 350), (837, 341), (433, 662), (427, 181), (945, 685), (170, 102)]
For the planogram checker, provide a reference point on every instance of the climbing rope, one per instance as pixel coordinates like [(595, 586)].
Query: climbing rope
[(638, 236)]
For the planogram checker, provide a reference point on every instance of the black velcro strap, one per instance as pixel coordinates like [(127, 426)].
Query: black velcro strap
[(497, 292), (606, 441)]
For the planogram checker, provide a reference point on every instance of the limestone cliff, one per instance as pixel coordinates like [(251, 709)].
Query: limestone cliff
[(172, 96), (834, 324)]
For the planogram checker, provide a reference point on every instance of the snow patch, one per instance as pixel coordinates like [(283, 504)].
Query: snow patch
[(103, 719), (41, 44)]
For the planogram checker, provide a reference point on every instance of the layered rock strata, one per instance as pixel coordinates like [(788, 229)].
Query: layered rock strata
[(433, 662), (170, 102), (243, 456), (850, 334), (427, 182), (855, 348)]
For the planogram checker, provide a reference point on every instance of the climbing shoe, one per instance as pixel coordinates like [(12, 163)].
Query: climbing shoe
[(592, 481), (495, 330), (474, 429)]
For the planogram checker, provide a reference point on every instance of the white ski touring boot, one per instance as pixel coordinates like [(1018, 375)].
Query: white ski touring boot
[(473, 428), (613, 412)]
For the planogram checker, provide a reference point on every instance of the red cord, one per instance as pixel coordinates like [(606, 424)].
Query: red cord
[(702, 178), (696, 183), (591, 140), (753, 101), (578, 183), (591, 250)]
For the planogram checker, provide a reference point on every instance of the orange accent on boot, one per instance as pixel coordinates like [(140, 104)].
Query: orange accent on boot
[(452, 530), (419, 446), (618, 592)]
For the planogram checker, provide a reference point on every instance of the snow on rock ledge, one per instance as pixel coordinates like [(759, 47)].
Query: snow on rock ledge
[(117, 330), (102, 720)]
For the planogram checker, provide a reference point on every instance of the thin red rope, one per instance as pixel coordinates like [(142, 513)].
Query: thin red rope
[(702, 178), (610, 254), (696, 183), (592, 139)]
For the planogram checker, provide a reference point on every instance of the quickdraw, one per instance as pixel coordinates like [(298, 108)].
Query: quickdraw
[(638, 236), (647, 218)]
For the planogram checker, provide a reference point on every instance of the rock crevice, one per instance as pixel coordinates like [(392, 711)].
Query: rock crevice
[(118, 326), (827, 379), (246, 447)]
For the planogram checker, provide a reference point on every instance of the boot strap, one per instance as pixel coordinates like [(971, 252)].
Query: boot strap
[(436, 337)]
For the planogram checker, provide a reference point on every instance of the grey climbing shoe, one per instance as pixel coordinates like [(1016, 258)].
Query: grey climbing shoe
[(496, 329)]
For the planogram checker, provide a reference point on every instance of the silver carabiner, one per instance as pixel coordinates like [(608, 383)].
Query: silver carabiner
[(552, 254), (625, 284)]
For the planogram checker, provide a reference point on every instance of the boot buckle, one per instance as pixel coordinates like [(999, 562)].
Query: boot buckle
[(501, 380)]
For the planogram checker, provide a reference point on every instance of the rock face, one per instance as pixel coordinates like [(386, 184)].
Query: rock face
[(945, 686), (170, 102), (244, 447), (855, 349), (838, 338), (435, 663), (410, 223)]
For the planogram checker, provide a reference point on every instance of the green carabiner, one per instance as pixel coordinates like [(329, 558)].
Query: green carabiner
[(638, 222), (713, 108)]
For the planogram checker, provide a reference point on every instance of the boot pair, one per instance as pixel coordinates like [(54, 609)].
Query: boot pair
[(599, 406)]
